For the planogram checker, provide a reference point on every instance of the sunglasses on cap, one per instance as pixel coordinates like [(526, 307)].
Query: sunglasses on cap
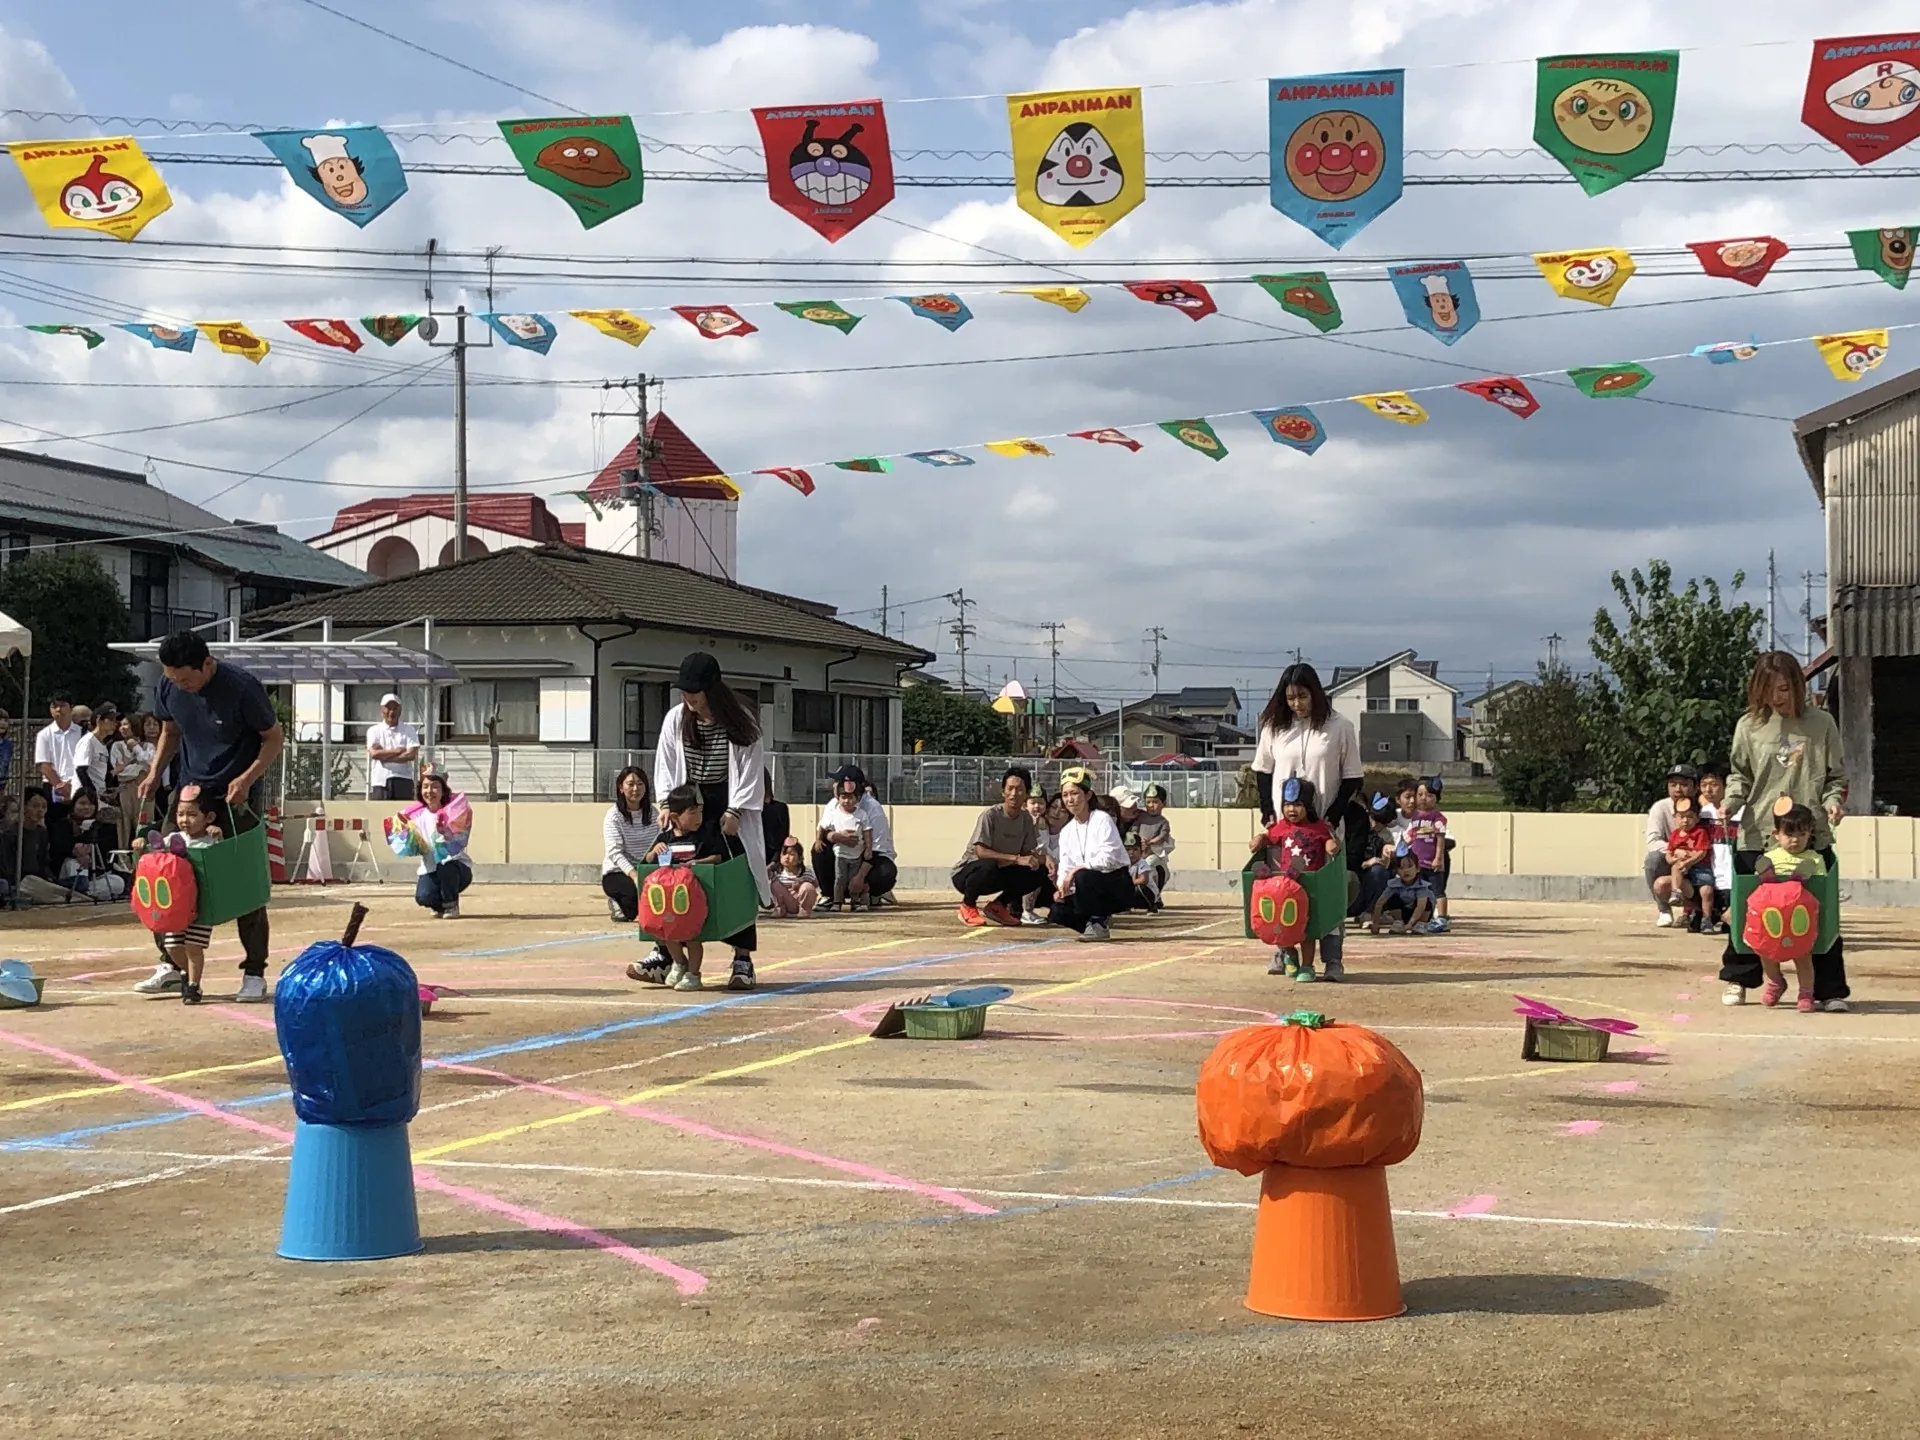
[(1077, 775)]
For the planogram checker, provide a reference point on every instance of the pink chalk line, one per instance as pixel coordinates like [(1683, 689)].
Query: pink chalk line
[(1684, 995), (1474, 1205), (1581, 1127), (1621, 1087), (1185, 1005), (688, 1282), (1681, 1019)]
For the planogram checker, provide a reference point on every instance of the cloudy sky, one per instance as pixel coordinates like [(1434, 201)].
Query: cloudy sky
[(1469, 539)]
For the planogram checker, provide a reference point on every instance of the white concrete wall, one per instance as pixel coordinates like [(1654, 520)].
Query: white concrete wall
[(428, 534), (683, 523)]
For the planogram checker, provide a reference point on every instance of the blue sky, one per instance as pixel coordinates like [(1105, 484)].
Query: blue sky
[(1469, 539)]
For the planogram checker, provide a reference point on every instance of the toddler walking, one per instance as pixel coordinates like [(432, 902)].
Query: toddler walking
[(194, 813), (683, 841), (1299, 840), (1792, 856)]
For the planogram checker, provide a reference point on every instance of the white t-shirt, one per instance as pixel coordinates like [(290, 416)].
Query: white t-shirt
[(54, 746), (875, 814), (1326, 757), (391, 737), (94, 756), (1092, 844), (833, 818)]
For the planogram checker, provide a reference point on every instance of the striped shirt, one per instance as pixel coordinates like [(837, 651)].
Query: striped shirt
[(707, 765), (628, 840)]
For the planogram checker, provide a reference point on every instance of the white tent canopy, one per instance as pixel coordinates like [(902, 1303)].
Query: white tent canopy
[(15, 638)]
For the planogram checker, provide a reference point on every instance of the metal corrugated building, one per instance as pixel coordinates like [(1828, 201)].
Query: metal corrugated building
[(1863, 456)]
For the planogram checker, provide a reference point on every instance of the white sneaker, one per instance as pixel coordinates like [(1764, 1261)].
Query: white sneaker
[(163, 979), (1833, 1007), (1733, 994), (1664, 920), (676, 972), (1096, 931), (452, 912), (1033, 917), (253, 989)]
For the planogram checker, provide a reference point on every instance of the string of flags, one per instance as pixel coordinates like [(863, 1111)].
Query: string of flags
[(1437, 297), (1335, 147)]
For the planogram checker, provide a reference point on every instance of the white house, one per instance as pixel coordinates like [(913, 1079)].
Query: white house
[(687, 513), (1402, 708), (391, 538), (1480, 714)]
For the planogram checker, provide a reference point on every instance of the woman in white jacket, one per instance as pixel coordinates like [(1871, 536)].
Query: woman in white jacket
[(1095, 882), (710, 740)]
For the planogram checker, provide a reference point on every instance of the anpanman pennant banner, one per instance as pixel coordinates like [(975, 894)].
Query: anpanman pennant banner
[(620, 324), (715, 322), (1509, 392), (335, 334), (1852, 355), (1437, 298), (1189, 297), (1591, 275), (1070, 298), (820, 312), (1107, 437), (1728, 352), (1334, 143), (235, 338), (1017, 448), (94, 339), (797, 478), (523, 331), (1611, 382), (390, 329), (164, 337), (590, 161), (1747, 260), (1888, 253), (944, 458), (828, 165), (866, 464), (948, 311), (1295, 426), (1196, 435), (1079, 159), (105, 185), (1606, 117), (1863, 94), (1394, 405), (351, 170), (1307, 295)]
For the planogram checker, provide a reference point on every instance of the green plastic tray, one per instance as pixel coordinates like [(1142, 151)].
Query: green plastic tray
[(1557, 1040), (233, 876), (1326, 898), (39, 992), (945, 1022), (733, 900), (1825, 888)]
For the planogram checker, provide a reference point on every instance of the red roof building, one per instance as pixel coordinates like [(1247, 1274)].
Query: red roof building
[(393, 537)]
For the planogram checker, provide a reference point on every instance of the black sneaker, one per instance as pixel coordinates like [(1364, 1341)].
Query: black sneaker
[(189, 993), (742, 976), (651, 971)]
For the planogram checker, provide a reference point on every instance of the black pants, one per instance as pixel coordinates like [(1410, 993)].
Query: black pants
[(1096, 895), (398, 789), (713, 806), (1829, 970), (882, 873), (256, 938), (618, 887), (1014, 882)]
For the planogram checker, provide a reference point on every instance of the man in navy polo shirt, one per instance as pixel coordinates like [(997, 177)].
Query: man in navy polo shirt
[(216, 717)]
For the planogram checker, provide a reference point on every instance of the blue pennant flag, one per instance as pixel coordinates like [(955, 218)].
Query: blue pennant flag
[(1293, 425), (948, 310), (350, 169), (529, 332), (1438, 298), (940, 457), (164, 337), (1728, 352), (1334, 143)]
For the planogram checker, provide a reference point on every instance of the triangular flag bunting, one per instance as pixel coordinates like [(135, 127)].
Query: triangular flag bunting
[(1196, 435), (1079, 159), (1394, 405), (620, 324), (1017, 448), (1107, 437), (1307, 295), (351, 170), (830, 165), (1747, 261), (389, 329), (336, 334), (1888, 253), (820, 312), (1334, 143), (1606, 117), (1189, 297), (948, 311), (866, 464), (1294, 425), (1863, 93), (1509, 392), (93, 338), (1727, 352), (591, 162), (797, 478), (523, 331), (235, 339), (1591, 275), (1851, 355), (1610, 382), (164, 337), (1068, 297), (1437, 298), (104, 185), (715, 322), (941, 457)]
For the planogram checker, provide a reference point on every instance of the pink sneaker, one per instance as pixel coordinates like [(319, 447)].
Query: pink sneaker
[(1805, 1004), (1771, 992)]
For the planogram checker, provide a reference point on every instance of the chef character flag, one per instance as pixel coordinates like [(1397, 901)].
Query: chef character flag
[(235, 338), (165, 337), (620, 324), (352, 170), (940, 457), (1727, 352), (1335, 147), (592, 162), (1887, 253), (93, 338), (1611, 382), (1863, 94), (1851, 355), (1394, 405), (1307, 295), (715, 322), (527, 332), (1509, 392), (1294, 425), (335, 334), (1106, 436), (1747, 260), (1196, 435), (106, 186), (1189, 297), (829, 165), (820, 312), (1438, 298), (1079, 159), (949, 311), (1591, 275), (1606, 117)]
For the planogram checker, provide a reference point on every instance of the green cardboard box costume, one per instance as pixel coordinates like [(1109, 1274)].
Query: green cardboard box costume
[(733, 901), (1326, 898)]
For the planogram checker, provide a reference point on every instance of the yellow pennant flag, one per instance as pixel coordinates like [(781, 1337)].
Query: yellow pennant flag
[(1394, 405), (620, 324), (1851, 355), (1017, 448), (235, 338), (1079, 159), (107, 185), (1070, 298), (1591, 275)]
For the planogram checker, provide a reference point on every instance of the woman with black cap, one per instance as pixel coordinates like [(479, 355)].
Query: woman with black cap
[(710, 741)]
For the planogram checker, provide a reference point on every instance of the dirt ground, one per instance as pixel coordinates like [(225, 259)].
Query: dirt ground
[(787, 1230)]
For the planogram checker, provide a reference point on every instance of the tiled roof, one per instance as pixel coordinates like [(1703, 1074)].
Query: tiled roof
[(555, 585), (511, 514), (1344, 675), (679, 461)]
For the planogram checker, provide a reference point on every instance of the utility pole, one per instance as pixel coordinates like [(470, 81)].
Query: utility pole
[(1156, 635), (460, 434), (636, 487), (1053, 629), (1554, 642), (1806, 613), (1773, 635), (883, 610), (961, 631)]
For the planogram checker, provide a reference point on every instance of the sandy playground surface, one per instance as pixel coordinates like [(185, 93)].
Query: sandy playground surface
[(723, 1215)]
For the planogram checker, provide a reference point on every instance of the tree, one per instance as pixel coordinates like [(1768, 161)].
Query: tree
[(1673, 680), (942, 723), (1537, 742), (72, 605)]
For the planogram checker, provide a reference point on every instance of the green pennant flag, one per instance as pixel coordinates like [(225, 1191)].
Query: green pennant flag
[(92, 337), (868, 464), (590, 161), (1887, 253), (1307, 295), (1196, 435), (820, 312), (1606, 117), (389, 329), (1611, 382)]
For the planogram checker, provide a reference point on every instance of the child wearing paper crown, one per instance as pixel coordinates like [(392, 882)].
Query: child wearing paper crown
[(1299, 841)]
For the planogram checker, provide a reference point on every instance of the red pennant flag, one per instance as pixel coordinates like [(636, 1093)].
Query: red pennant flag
[(828, 164), (1107, 437), (336, 333), (798, 479), (1189, 297), (1863, 93), (715, 322), (1747, 260), (1507, 391)]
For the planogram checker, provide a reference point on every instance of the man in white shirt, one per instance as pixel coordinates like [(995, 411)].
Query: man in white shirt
[(392, 747), (53, 751)]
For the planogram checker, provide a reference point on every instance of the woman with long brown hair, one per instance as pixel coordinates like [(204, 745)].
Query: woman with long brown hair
[(709, 740), (1784, 747)]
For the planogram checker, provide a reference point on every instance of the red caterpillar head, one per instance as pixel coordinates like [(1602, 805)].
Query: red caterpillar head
[(166, 893), (1783, 919), (1279, 911), (672, 904)]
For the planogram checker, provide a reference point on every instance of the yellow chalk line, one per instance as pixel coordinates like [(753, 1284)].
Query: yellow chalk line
[(155, 1080)]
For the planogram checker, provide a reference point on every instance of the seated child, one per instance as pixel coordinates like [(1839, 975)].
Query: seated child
[(1427, 839), (1792, 854), (1690, 854), (1721, 831), (795, 891), (1407, 894), (1141, 865), (1050, 817), (1156, 837), (682, 842), (1376, 858), (194, 813), (1298, 841)]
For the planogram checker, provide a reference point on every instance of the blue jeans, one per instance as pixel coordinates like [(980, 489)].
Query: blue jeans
[(440, 888)]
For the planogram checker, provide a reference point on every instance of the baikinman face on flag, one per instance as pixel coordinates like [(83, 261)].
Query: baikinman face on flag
[(1335, 146), (351, 170), (1079, 159), (106, 185), (1606, 117), (1509, 392), (829, 165), (1863, 93), (590, 161)]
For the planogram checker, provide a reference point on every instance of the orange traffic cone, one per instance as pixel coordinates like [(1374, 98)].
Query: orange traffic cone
[(1323, 1245)]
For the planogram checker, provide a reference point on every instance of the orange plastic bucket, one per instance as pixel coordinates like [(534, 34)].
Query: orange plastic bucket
[(1323, 1245)]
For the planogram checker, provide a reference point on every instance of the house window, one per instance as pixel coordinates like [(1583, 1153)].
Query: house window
[(147, 576), (863, 726), (643, 705), (812, 712), (259, 597), (465, 709), (1153, 738), (1378, 704), (566, 710), (1386, 747), (18, 547), (1407, 707)]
